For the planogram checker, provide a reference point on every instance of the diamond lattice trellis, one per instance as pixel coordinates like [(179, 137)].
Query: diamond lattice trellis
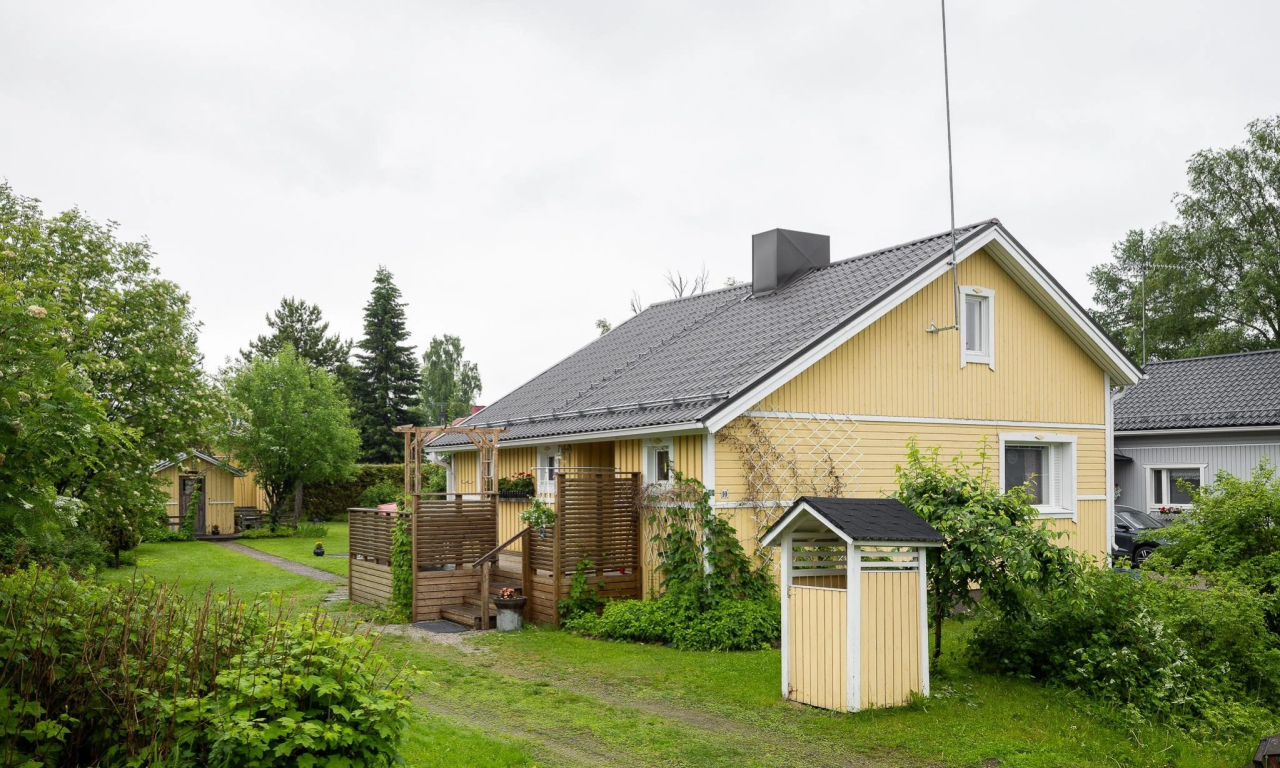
[(785, 456)]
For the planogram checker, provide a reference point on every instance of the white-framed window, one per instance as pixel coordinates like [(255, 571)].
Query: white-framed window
[(545, 472), (1169, 485), (1046, 465), (977, 326), (659, 467)]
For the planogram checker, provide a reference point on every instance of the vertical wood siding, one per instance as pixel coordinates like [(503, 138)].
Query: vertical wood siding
[(890, 638), (510, 462), (1239, 459), (895, 368), (219, 493), (818, 653)]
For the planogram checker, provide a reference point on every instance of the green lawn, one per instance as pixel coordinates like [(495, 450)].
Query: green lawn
[(563, 700), (300, 549), (197, 565)]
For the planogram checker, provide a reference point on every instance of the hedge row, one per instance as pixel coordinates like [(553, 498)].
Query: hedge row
[(330, 501)]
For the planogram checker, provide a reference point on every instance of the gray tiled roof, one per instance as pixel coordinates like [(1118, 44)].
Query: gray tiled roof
[(885, 520), (1240, 390), (679, 360)]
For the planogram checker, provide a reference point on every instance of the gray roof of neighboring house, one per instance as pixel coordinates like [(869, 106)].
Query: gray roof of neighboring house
[(885, 520), (1239, 390), (678, 360)]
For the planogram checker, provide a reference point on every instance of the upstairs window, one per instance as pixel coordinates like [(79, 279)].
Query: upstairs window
[(977, 326)]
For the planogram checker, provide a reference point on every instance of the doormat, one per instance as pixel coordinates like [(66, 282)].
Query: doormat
[(440, 626)]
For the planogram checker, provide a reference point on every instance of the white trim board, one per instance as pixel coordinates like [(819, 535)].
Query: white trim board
[(919, 420), (673, 430)]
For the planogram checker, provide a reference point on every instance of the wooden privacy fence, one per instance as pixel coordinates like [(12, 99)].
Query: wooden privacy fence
[(369, 555), (451, 531), (597, 519)]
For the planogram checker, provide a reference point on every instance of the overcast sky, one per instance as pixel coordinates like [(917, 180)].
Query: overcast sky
[(522, 167)]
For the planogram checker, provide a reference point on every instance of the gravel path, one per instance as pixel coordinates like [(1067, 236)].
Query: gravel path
[(280, 562)]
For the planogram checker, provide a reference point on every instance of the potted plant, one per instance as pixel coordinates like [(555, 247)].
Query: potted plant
[(319, 550), (518, 487), (510, 604), (215, 530), (539, 515)]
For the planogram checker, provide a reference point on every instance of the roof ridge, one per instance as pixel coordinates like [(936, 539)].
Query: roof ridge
[(1212, 357), (699, 295), (646, 353)]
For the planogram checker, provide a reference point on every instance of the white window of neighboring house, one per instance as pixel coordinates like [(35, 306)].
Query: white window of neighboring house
[(977, 326), (548, 465), (1046, 466), (658, 463), (1166, 484)]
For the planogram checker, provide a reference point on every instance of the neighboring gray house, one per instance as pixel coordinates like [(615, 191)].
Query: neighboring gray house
[(1190, 418)]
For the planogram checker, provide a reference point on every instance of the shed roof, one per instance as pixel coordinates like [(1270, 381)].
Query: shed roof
[(1236, 390), (200, 455), (878, 520)]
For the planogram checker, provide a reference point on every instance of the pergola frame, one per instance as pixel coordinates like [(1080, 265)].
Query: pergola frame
[(485, 439)]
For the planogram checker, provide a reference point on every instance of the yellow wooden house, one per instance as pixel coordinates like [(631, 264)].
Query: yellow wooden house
[(811, 379), (211, 488)]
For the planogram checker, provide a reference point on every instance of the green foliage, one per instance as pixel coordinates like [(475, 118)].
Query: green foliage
[(331, 500), (1212, 277), (539, 515), (280, 532), (381, 492), (101, 377), (292, 425), (136, 674), (1151, 649), (1230, 533), (450, 384), (301, 326), (310, 531), (583, 597), (520, 484), (714, 598), (385, 386), (994, 540), (402, 568)]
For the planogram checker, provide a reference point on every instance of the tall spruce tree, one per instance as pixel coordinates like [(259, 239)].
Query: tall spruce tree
[(301, 325), (386, 385)]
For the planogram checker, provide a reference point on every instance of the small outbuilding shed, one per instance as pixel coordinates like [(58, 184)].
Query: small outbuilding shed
[(854, 607), (214, 505)]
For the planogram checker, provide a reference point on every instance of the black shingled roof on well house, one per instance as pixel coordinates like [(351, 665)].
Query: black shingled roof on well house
[(679, 360), (883, 520), (1237, 390)]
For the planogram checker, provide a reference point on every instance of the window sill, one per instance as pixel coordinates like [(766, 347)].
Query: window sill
[(1056, 513)]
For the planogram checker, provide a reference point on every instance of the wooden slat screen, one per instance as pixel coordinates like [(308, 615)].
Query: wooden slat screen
[(455, 529), (371, 531), (597, 518)]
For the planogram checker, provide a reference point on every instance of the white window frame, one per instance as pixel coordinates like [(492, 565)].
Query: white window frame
[(549, 460), (988, 357), (651, 448), (1149, 470), (1060, 492)]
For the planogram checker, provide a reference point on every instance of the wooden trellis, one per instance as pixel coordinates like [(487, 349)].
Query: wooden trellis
[(485, 439)]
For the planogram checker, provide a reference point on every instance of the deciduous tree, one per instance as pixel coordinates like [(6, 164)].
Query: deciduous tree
[(291, 425), (450, 384)]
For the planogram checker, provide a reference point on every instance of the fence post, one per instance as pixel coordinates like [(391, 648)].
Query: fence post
[(484, 595), (640, 542), (413, 542), (526, 571), (557, 571)]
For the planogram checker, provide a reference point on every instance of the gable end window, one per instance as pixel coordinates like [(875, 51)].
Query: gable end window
[(1045, 465), (977, 326)]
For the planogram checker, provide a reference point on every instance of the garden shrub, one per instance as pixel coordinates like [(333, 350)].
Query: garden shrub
[(381, 492), (402, 569), (1201, 659), (714, 597), (330, 501), (137, 674), (583, 597)]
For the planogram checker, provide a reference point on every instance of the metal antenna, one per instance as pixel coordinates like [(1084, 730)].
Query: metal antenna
[(951, 175)]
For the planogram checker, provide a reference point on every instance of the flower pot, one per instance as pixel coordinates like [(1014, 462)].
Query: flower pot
[(318, 551), (510, 613)]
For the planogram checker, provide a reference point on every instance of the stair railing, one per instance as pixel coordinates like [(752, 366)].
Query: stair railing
[(526, 573)]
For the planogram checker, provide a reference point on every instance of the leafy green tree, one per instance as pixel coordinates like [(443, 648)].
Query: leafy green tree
[(994, 540), (387, 380), (132, 337), (450, 384), (1212, 277), (302, 326), (291, 425)]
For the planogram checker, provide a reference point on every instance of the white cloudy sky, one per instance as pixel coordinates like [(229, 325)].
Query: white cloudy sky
[(521, 167)]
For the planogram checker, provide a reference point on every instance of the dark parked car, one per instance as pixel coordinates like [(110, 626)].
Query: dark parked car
[(1130, 524)]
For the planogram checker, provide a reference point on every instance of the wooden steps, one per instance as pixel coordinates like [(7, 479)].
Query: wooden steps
[(467, 615)]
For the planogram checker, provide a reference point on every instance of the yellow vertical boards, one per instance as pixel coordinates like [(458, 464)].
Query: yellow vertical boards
[(891, 632), (817, 622), (217, 483)]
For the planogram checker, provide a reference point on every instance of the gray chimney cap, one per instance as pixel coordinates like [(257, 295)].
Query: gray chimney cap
[(780, 256)]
